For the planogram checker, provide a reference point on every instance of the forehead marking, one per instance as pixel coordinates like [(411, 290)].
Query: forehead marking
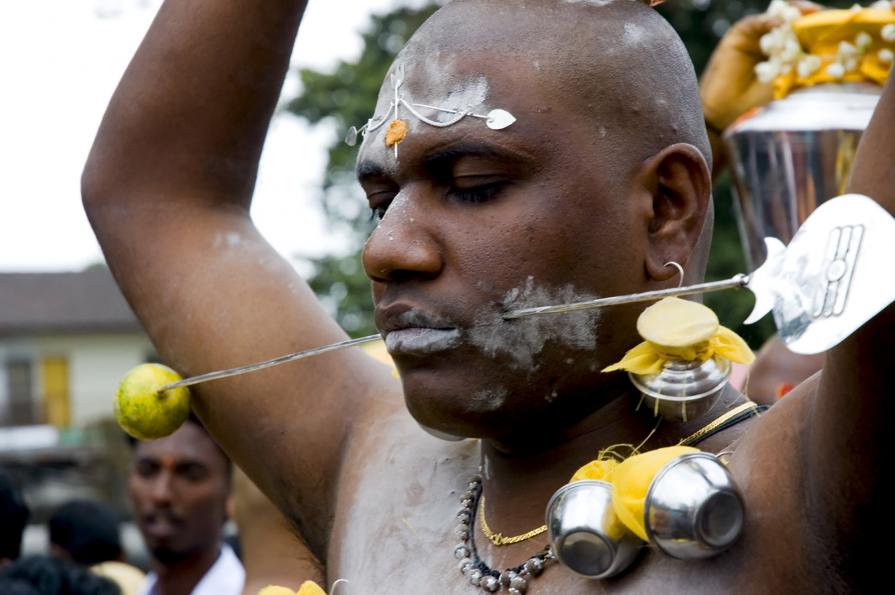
[(496, 119)]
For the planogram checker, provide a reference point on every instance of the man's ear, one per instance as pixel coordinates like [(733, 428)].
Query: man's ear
[(681, 188)]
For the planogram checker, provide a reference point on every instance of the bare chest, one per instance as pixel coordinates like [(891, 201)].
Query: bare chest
[(395, 532)]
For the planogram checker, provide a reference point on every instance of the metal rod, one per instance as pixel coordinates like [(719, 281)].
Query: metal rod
[(290, 357), (739, 280), (733, 282)]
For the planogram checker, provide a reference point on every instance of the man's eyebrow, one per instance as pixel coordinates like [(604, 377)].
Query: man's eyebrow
[(451, 153), (367, 170)]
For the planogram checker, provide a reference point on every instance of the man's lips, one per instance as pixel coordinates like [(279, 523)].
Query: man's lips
[(412, 331), (161, 525), (421, 341), (401, 316)]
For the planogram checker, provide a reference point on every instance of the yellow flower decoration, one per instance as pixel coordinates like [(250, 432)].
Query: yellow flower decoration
[(830, 46), (680, 329)]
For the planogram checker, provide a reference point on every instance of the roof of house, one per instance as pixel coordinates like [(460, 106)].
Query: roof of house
[(63, 302)]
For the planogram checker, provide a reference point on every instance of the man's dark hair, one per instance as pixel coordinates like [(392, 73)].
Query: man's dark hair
[(14, 515), (87, 531), (45, 575)]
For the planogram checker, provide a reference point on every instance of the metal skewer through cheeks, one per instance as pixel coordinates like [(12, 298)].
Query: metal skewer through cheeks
[(735, 281), (290, 357), (821, 288)]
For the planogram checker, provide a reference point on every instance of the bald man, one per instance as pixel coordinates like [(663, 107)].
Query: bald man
[(602, 179)]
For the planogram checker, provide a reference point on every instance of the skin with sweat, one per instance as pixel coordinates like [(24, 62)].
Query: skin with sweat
[(602, 180)]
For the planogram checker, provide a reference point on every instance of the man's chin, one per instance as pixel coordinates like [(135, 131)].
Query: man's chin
[(165, 554), (450, 407)]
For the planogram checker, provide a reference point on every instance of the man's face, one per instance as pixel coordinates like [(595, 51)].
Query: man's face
[(477, 221), (178, 486)]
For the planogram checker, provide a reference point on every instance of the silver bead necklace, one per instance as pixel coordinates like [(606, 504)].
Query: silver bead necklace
[(514, 580)]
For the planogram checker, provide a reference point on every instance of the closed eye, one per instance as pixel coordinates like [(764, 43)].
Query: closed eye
[(477, 188), (478, 194)]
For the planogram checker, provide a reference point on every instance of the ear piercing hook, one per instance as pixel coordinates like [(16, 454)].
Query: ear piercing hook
[(680, 271)]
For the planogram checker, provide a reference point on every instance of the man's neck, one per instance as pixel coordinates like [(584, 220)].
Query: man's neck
[(518, 487), (182, 576)]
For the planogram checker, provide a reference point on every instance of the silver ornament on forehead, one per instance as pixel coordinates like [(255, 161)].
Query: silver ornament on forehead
[(496, 119), (834, 276)]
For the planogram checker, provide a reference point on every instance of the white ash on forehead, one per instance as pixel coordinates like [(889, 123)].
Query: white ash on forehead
[(522, 339)]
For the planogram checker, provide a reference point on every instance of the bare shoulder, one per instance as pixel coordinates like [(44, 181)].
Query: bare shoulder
[(769, 466)]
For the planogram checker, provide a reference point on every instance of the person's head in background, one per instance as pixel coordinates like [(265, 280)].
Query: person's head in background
[(179, 486), (14, 515), (85, 532), (48, 575)]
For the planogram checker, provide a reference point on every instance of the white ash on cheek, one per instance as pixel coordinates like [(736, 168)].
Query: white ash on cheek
[(488, 399), (523, 339)]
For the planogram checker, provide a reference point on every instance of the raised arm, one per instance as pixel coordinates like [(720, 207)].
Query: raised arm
[(167, 188), (849, 446)]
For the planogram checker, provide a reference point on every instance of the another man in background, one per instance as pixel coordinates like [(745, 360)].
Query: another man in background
[(179, 487), (14, 515), (86, 532)]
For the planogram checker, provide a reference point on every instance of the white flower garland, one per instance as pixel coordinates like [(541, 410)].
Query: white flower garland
[(785, 53)]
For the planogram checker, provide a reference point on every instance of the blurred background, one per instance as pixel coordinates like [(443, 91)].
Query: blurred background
[(66, 333)]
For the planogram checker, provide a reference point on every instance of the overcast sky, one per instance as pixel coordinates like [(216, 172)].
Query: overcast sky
[(59, 63)]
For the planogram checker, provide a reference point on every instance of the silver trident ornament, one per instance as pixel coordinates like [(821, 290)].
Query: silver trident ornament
[(832, 278)]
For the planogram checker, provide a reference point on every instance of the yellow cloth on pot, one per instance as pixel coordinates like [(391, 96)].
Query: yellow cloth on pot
[(599, 469), (631, 479), (676, 329)]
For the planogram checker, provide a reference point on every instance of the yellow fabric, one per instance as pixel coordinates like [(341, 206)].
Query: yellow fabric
[(631, 479), (674, 322), (306, 588), (729, 87), (820, 34), (310, 588), (683, 330), (129, 579), (378, 351), (599, 469)]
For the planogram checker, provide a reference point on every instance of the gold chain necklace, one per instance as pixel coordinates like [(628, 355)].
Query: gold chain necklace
[(500, 539)]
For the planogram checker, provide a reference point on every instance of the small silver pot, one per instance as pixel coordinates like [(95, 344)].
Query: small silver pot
[(586, 535), (683, 390), (693, 509)]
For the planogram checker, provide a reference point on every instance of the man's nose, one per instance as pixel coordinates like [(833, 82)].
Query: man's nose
[(403, 245), (161, 488)]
